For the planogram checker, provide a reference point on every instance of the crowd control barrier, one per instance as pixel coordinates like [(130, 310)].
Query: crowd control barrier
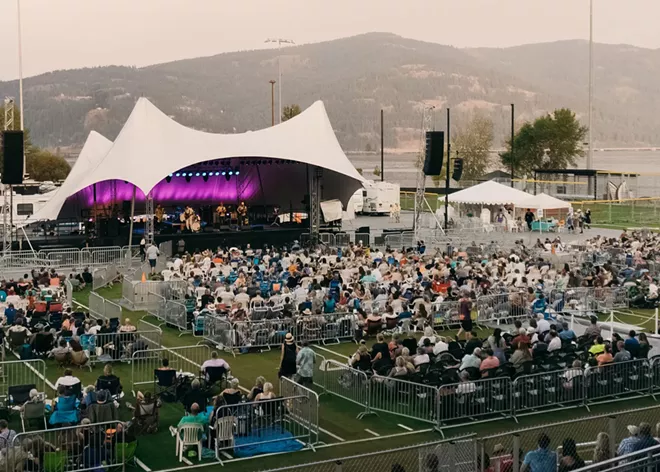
[(305, 412), (185, 359)]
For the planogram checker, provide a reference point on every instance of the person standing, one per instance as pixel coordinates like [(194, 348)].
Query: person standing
[(143, 249), (529, 218), (152, 255), (465, 314), (288, 358), (397, 213), (305, 364)]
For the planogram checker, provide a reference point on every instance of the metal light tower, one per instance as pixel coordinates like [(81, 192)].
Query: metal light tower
[(279, 42), (272, 102)]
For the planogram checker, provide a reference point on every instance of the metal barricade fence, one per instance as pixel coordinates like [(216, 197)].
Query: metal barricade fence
[(218, 331), (188, 359), (145, 328), (306, 412), (23, 259), (455, 456), (363, 238), (70, 257), (324, 328), (474, 400), (345, 382), (327, 238), (138, 295), (22, 373), (105, 255), (445, 313), (607, 299), (342, 239), (166, 248), (112, 310), (554, 390), (501, 307), (96, 305), (265, 422), (620, 380), (156, 306), (176, 314), (419, 457), (102, 276), (261, 334), (120, 346), (393, 240), (403, 398), (60, 449)]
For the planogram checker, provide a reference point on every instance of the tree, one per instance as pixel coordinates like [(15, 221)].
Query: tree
[(43, 165), (473, 143), (377, 171), (553, 141), (359, 170), (290, 111), (40, 164)]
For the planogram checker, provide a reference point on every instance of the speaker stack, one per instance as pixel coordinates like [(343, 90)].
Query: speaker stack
[(435, 151), (12, 149)]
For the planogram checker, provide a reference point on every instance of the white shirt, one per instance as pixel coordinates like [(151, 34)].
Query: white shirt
[(152, 252), (94, 329), (215, 363), (542, 326), (243, 298), (554, 344), (440, 347), (67, 381)]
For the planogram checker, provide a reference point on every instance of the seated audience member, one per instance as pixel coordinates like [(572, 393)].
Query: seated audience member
[(215, 361), (194, 396), (127, 327), (109, 381), (622, 355), (567, 334), (257, 389), (490, 362), (77, 354), (473, 342), (471, 360), (422, 358), (67, 380), (598, 347), (146, 413), (541, 459), (267, 394), (232, 394), (104, 410), (195, 416), (605, 357), (593, 330), (7, 435)]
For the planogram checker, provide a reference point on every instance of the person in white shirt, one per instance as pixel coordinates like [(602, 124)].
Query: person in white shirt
[(152, 255), (421, 358), (242, 297), (215, 361), (542, 325), (227, 297), (440, 347), (95, 328), (68, 380), (555, 341)]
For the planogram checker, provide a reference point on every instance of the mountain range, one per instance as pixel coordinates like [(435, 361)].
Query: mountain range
[(356, 77)]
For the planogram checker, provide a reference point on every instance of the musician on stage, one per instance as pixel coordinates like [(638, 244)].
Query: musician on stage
[(242, 210), (221, 213), (187, 217), (159, 216)]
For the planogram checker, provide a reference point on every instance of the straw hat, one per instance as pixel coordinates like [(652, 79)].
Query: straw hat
[(288, 338), (306, 311)]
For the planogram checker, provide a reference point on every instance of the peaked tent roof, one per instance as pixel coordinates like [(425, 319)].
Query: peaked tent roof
[(95, 149), (490, 193), (545, 202), (151, 145)]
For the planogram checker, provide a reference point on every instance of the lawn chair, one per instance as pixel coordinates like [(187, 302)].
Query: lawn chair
[(215, 375), (189, 435), (165, 384), (32, 412), (224, 433)]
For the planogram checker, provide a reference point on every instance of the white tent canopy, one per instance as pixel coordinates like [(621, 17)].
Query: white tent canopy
[(95, 149), (152, 146), (489, 193), (544, 201)]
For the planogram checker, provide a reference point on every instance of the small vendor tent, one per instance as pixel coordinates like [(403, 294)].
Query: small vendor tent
[(544, 201), (489, 193)]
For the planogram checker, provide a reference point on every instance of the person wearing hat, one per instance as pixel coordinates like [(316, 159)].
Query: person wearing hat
[(288, 358), (627, 445)]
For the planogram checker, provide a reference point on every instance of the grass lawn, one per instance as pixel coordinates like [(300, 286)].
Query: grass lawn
[(337, 416)]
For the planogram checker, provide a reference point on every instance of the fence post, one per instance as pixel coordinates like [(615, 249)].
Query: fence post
[(611, 431), (338, 466), (481, 451), (452, 454), (516, 453), (656, 322)]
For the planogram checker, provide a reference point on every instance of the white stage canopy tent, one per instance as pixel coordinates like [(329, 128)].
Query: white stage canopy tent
[(94, 150), (544, 201), (490, 193), (151, 146)]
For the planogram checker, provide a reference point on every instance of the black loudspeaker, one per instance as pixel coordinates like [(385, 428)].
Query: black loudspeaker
[(12, 149), (126, 208), (435, 151), (458, 169)]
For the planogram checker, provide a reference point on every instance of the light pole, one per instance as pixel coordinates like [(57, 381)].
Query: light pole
[(590, 153), (272, 102), (279, 42), (20, 71)]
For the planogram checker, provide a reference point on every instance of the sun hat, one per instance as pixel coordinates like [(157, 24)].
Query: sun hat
[(288, 338)]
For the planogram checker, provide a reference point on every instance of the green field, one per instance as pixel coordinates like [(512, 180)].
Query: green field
[(339, 426)]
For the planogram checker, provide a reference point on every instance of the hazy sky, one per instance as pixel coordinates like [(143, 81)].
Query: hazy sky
[(60, 34)]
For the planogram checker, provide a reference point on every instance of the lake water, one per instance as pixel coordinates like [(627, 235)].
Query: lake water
[(400, 168)]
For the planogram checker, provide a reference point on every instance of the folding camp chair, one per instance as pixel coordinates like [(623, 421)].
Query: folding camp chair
[(165, 384)]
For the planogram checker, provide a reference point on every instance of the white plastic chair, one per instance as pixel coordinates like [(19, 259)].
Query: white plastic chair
[(224, 429), (189, 435)]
